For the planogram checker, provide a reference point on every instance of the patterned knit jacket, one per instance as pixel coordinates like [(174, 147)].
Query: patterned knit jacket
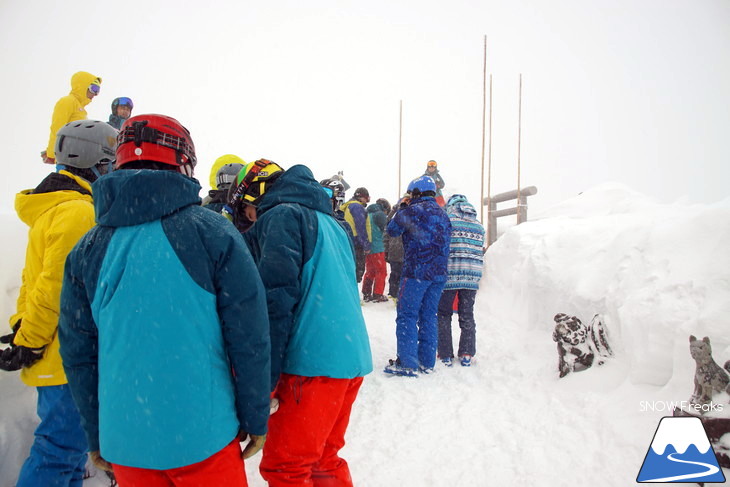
[(466, 255)]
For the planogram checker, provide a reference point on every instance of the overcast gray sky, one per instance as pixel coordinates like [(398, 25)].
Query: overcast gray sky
[(634, 91)]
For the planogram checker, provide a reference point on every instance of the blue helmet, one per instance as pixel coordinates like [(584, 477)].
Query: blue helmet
[(422, 186), (123, 101)]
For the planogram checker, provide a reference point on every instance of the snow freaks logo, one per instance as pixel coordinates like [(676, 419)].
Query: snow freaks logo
[(680, 452)]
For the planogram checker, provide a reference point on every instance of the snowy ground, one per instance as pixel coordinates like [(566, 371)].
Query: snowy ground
[(657, 273)]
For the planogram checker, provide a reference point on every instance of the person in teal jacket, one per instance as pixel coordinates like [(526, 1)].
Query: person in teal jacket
[(373, 281), (319, 343), (164, 330)]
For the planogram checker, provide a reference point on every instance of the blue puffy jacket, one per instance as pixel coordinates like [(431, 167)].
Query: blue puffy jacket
[(164, 331), (426, 232), (306, 263)]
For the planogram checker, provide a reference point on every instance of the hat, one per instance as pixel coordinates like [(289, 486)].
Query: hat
[(384, 204)]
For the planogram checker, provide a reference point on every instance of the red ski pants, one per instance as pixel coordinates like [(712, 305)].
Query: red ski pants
[(223, 468), (308, 431), (373, 282)]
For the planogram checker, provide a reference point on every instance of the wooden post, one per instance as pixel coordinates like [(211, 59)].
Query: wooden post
[(400, 146), (490, 229), (519, 137), (484, 128)]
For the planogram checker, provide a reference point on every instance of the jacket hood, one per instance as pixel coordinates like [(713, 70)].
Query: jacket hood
[(80, 83), (459, 206), (30, 205), (296, 185), (133, 196), (375, 207)]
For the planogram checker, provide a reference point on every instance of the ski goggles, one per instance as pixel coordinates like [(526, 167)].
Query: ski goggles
[(94, 88), (431, 164), (125, 102)]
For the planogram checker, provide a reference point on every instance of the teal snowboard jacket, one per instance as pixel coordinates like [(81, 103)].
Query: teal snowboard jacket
[(306, 261), (163, 328)]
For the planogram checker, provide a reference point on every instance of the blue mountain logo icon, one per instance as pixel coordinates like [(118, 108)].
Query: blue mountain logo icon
[(680, 452)]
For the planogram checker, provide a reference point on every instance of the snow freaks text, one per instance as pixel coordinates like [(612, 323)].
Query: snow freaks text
[(668, 406)]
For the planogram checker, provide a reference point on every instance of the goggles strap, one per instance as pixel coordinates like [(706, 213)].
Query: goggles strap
[(246, 181)]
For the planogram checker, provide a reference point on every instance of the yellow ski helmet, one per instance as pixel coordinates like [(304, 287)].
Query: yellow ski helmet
[(253, 180)]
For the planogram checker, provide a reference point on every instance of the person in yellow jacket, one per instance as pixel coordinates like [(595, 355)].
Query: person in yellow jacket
[(59, 211), (84, 87)]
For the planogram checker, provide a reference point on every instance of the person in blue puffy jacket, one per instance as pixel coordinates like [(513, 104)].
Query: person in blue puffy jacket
[(320, 350), (164, 330), (426, 232)]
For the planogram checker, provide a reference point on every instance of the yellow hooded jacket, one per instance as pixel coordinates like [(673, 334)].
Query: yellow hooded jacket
[(57, 220), (70, 107)]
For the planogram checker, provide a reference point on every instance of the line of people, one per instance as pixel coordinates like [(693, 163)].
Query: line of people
[(437, 271), (159, 339), (135, 302)]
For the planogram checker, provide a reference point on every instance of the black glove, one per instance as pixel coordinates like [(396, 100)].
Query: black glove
[(10, 337), (17, 357)]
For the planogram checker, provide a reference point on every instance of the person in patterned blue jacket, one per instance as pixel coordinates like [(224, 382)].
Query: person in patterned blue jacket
[(164, 330), (319, 343), (426, 231), (466, 259)]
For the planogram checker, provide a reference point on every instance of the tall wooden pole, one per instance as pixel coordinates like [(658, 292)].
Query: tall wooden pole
[(400, 147), (484, 121), (519, 145), (489, 173)]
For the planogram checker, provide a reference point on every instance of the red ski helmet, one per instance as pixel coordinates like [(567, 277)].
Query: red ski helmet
[(157, 138)]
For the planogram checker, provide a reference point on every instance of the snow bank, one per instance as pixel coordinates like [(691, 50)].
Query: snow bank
[(657, 273)]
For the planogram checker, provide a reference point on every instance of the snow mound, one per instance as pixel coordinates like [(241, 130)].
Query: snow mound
[(657, 274)]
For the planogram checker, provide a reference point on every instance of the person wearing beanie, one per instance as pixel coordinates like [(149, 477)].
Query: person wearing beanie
[(58, 212), (84, 87), (356, 216), (121, 111), (373, 281)]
